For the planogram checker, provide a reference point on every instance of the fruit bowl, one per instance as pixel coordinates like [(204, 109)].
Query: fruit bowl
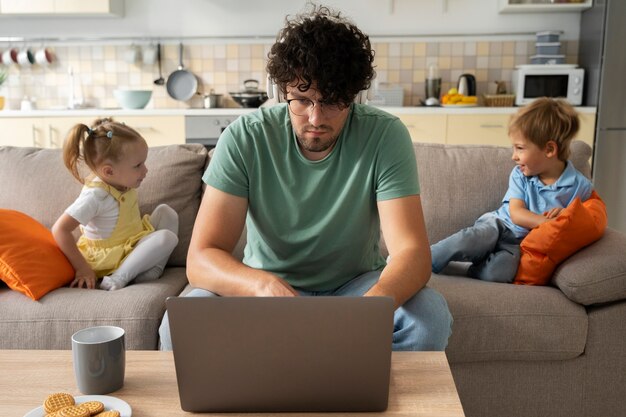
[(132, 99)]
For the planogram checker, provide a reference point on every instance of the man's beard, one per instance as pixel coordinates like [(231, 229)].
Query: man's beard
[(316, 144)]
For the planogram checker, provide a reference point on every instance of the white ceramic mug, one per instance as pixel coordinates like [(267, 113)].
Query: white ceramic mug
[(99, 355), (43, 57), (25, 57), (149, 54), (132, 54), (9, 56)]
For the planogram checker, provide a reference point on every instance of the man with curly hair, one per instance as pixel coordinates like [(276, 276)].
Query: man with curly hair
[(314, 180)]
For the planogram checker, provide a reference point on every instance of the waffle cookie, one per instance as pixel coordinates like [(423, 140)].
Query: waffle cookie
[(94, 407), (55, 402), (74, 411), (110, 413)]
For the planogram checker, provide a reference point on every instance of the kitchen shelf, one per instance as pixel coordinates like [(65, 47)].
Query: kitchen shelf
[(61, 8), (507, 7)]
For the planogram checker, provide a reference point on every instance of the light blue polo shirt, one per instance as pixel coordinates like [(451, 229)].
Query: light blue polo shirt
[(314, 223), (539, 197)]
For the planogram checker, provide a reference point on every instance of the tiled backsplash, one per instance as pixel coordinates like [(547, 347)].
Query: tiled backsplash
[(224, 66)]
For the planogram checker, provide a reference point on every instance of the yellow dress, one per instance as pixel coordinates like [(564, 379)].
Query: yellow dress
[(106, 255)]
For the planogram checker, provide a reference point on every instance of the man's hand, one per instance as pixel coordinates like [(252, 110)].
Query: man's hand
[(276, 287)]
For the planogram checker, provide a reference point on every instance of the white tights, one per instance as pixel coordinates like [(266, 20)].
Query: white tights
[(148, 258)]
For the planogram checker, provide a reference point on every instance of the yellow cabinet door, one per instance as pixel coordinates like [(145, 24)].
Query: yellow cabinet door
[(22, 131), (481, 129), (89, 7), (158, 130), (40, 132), (587, 130), (27, 7), (425, 127), (55, 129)]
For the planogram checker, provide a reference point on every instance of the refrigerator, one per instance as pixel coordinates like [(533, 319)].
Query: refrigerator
[(602, 53)]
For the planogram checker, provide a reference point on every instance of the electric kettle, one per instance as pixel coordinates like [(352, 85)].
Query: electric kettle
[(467, 85)]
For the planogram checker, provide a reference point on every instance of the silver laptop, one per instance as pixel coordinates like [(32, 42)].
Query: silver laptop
[(275, 354)]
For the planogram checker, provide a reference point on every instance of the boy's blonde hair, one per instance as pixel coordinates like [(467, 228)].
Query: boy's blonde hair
[(547, 119), (104, 141)]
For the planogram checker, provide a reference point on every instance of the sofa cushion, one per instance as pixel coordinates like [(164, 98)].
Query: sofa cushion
[(30, 260), (50, 322), (494, 321), (35, 181), (597, 273), (578, 225)]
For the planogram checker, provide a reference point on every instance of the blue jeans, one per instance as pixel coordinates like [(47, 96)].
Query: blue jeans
[(422, 323), (492, 248)]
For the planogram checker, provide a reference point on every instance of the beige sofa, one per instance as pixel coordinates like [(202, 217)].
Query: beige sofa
[(558, 350)]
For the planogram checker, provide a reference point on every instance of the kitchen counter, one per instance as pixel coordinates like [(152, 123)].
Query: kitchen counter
[(451, 125), (121, 112), (237, 111)]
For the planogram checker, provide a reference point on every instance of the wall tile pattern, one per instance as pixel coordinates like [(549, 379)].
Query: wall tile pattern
[(223, 68)]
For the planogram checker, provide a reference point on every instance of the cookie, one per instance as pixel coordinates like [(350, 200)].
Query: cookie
[(110, 413), (55, 402), (94, 407), (75, 411)]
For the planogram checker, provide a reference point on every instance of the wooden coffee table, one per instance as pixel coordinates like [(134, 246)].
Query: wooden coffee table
[(421, 384)]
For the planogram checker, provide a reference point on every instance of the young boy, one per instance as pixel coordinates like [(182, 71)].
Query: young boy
[(540, 186)]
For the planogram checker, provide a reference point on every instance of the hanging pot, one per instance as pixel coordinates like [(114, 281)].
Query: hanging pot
[(251, 96), (182, 84)]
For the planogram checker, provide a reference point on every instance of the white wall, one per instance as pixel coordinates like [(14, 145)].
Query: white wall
[(252, 18)]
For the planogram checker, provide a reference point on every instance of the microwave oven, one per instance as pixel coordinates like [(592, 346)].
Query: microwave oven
[(558, 81)]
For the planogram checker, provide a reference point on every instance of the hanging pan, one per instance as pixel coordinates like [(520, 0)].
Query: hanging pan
[(181, 84)]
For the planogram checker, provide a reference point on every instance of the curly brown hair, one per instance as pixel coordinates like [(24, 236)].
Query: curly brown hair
[(324, 48)]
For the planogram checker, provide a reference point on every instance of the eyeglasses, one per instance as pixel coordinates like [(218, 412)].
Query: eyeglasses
[(304, 107)]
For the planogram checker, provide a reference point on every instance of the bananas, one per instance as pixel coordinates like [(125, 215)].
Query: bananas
[(452, 97)]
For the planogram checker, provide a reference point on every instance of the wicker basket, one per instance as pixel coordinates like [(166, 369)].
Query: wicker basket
[(499, 100)]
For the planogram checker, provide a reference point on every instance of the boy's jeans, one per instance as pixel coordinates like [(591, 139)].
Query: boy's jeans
[(492, 248), (422, 323)]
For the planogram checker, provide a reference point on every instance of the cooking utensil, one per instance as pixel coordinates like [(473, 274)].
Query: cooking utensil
[(181, 84), (212, 100), (251, 96), (160, 80)]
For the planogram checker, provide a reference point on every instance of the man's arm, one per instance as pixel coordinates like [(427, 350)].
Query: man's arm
[(211, 266), (402, 224)]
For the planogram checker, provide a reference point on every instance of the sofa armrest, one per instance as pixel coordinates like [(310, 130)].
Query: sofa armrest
[(597, 273)]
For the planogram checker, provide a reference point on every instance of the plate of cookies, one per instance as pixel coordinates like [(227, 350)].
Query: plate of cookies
[(62, 404)]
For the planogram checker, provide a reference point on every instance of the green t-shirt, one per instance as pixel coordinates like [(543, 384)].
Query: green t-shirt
[(314, 223)]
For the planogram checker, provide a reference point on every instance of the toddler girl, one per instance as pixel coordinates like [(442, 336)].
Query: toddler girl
[(116, 244)]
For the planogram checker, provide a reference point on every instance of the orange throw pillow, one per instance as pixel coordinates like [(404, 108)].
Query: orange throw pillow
[(549, 244), (30, 259)]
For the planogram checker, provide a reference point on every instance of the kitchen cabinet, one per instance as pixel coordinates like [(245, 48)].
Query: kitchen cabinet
[(492, 129), (475, 128), (425, 127), (50, 132), (541, 6), (62, 7), (158, 131), (40, 132), (483, 129)]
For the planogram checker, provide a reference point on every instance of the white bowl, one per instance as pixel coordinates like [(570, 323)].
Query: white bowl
[(132, 99)]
